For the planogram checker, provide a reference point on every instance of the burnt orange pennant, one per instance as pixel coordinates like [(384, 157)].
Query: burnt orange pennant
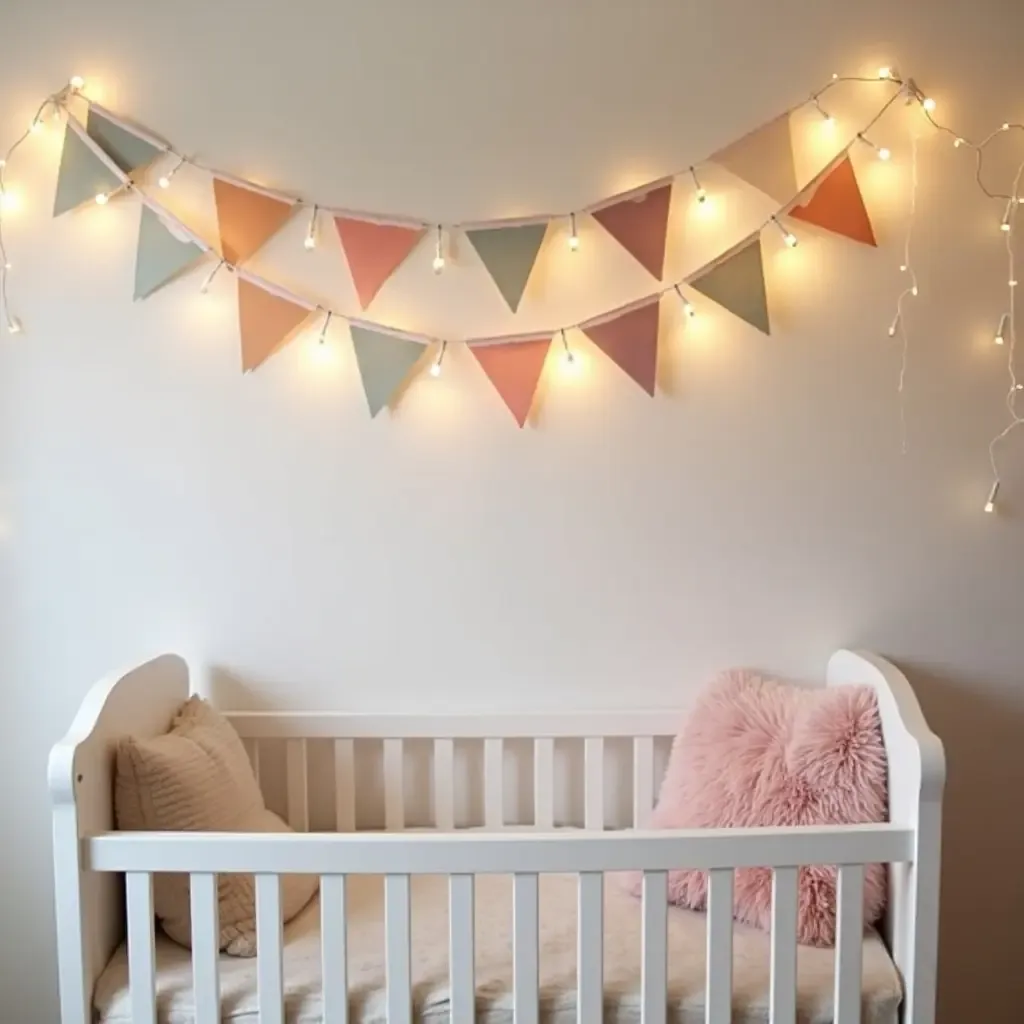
[(246, 219), (837, 205), (266, 322), (514, 368)]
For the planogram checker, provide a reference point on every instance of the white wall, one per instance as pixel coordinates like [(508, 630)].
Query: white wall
[(759, 511)]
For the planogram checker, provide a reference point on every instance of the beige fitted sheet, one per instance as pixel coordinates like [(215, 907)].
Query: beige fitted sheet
[(558, 903)]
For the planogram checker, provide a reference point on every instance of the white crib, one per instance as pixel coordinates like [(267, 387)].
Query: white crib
[(544, 771)]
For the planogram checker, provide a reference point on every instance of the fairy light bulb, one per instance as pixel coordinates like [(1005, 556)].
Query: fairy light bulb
[(885, 73), (574, 238), (913, 290), (77, 83), (1001, 331), (884, 154), (957, 142), (435, 369), (1006, 126), (1005, 223), (164, 181), (567, 353), (894, 326), (439, 256), (990, 505), (928, 103), (323, 330), (787, 236), (13, 324), (36, 125), (102, 198), (699, 190), (208, 280), (310, 240)]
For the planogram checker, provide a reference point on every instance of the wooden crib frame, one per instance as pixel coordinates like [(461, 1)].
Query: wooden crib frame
[(103, 879)]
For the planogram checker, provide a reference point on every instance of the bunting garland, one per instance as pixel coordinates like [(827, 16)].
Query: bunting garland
[(246, 218), (736, 282), (374, 252), (640, 226), (509, 255), (266, 322), (630, 340), (514, 368), (764, 159), (160, 256), (384, 364), (837, 205)]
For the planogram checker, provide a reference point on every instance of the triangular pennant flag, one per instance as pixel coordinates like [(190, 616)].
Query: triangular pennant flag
[(266, 322), (160, 256), (640, 227), (82, 175), (125, 148), (246, 219), (764, 159), (631, 341), (384, 362), (837, 204), (514, 369), (509, 255), (374, 252), (737, 283)]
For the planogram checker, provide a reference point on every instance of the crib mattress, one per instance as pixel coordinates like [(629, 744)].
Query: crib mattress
[(558, 904)]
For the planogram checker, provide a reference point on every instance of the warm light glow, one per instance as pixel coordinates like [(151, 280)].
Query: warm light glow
[(894, 326), (102, 198), (8, 201), (913, 290), (77, 83), (163, 181), (309, 242), (1005, 223), (884, 154), (36, 125), (435, 369), (957, 143), (438, 264), (1001, 332), (928, 103), (790, 239), (903, 268), (885, 72), (574, 243), (990, 505)]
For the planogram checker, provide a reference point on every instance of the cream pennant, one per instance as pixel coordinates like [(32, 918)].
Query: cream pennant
[(514, 368), (384, 363), (509, 255), (160, 256), (737, 283), (630, 340), (640, 226), (266, 322), (764, 159), (125, 148), (82, 175), (247, 219)]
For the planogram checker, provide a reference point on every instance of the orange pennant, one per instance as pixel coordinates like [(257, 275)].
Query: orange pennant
[(631, 341), (514, 368), (374, 252), (246, 219), (837, 205), (266, 322)]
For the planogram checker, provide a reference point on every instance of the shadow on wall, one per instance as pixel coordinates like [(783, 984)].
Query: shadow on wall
[(982, 917)]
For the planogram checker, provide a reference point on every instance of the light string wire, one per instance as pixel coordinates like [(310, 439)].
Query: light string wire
[(1013, 200), (900, 322), (127, 184)]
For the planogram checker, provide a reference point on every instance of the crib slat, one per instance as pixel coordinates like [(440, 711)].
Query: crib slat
[(141, 950), (590, 949), (654, 973), (526, 975), (643, 779), (252, 748), (344, 786), (205, 946), (593, 770), (849, 943), (394, 785), (460, 949), (544, 783), (270, 985), (783, 986), (718, 991), (494, 783), (334, 955), (298, 805), (444, 784), (397, 944)]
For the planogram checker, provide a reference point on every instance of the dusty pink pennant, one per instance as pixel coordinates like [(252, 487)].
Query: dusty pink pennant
[(631, 342), (514, 369), (640, 226), (374, 252)]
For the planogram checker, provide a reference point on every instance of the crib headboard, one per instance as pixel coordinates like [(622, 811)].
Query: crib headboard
[(90, 915)]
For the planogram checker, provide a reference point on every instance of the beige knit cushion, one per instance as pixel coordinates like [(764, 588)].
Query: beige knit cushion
[(197, 778)]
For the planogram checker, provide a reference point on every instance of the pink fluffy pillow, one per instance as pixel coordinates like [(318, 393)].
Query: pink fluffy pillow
[(758, 752)]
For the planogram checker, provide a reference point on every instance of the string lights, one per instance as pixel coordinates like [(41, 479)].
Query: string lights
[(1005, 334)]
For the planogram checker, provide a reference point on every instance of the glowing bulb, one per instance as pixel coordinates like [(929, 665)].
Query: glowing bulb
[(36, 125), (1012, 282), (928, 103), (1002, 329), (323, 330), (1005, 223), (567, 352), (903, 268), (574, 243), (1006, 126), (8, 265), (913, 290), (790, 239), (894, 326), (77, 83), (885, 72), (435, 369), (702, 196), (830, 121), (164, 181), (310, 240), (884, 154), (438, 264), (835, 76), (957, 143), (13, 325), (688, 309), (439, 251), (990, 505), (208, 280), (102, 198)]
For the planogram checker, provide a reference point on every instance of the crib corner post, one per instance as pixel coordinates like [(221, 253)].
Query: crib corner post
[(73, 974)]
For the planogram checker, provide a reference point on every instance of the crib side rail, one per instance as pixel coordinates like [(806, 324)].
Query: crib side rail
[(588, 855)]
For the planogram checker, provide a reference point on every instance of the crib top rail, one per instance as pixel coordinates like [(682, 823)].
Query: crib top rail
[(497, 853)]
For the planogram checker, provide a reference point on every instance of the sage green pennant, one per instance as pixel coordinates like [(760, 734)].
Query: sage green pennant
[(125, 148), (384, 363), (82, 174), (509, 255), (737, 283), (160, 256)]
